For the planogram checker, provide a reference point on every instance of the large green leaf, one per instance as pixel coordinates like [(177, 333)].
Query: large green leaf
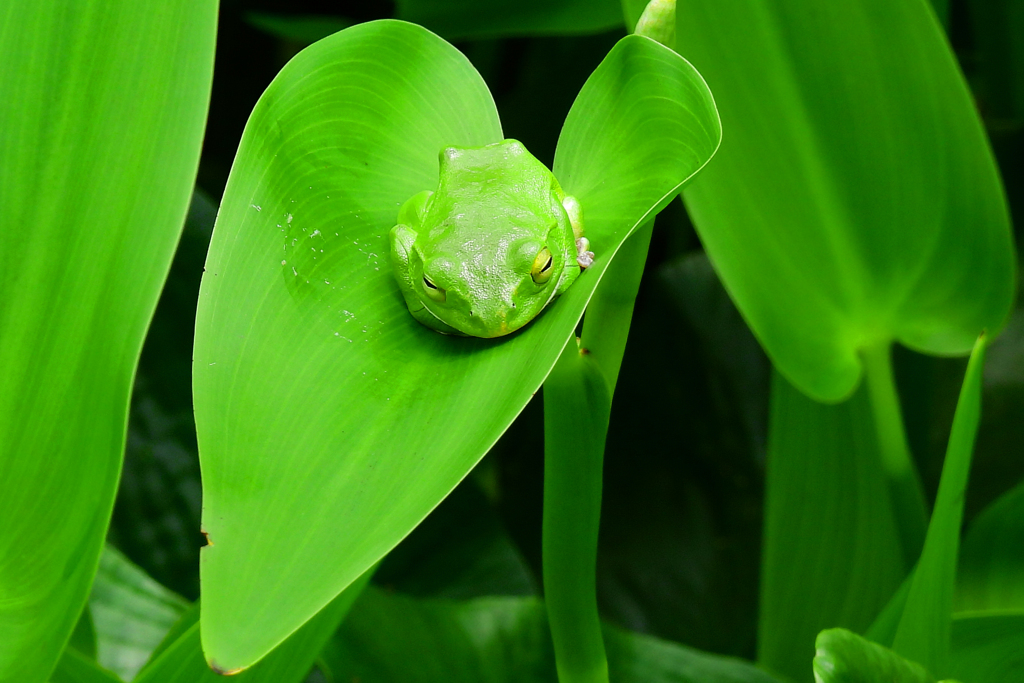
[(832, 553), (473, 19), (102, 120), (855, 200), (397, 639), (990, 575), (330, 422), (131, 612), (988, 648), (923, 634)]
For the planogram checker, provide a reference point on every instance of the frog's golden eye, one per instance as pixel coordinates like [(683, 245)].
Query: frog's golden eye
[(541, 271), (432, 290)]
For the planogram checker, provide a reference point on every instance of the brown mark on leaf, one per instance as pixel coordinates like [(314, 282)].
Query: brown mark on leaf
[(209, 541), (584, 351), (221, 671)]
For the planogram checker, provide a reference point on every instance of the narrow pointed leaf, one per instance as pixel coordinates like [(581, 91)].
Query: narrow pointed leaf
[(330, 422), (924, 631), (102, 119), (855, 199), (832, 554)]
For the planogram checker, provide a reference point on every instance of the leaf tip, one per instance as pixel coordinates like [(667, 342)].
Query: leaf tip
[(220, 671)]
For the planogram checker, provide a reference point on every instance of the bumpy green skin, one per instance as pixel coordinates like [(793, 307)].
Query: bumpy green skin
[(477, 239)]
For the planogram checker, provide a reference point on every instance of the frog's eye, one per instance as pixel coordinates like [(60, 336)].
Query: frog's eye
[(541, 271), (432, 290)]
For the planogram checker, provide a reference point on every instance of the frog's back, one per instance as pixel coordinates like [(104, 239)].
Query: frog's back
[(500, 183)]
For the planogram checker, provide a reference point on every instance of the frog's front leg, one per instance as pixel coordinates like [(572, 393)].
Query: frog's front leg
[(584, 257), (402, 240)]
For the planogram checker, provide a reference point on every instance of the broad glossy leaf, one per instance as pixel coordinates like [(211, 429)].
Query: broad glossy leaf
[(845, 657), (990, 575), (132, 613), (924, 630), (102, 121), (832, 553), (182, 661), (390, 638), (855, 199), (988, 648), (471, 19), (330, 422)]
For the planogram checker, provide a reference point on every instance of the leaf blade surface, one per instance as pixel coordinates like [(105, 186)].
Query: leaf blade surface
[(330, 422), (834, 215), (104, 106)]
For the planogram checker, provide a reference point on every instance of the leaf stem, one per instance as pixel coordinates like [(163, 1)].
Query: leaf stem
[(576, 409), (904, 481), (577, 405), (606, 325)]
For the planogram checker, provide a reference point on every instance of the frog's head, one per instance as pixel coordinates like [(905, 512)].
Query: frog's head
[(495, 291), (491, 247)]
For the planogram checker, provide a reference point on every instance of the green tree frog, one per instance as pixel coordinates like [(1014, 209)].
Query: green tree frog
[(495, 243)]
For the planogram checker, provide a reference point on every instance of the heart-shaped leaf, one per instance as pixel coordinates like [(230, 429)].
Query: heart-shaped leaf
[(330, 422), (855, 200)]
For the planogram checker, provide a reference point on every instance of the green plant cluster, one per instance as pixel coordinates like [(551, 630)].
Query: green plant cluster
[(772, 434)]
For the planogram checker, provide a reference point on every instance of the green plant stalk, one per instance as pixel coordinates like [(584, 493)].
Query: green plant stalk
[(576, 410), (606, 325), (577, 405), (904, 481)]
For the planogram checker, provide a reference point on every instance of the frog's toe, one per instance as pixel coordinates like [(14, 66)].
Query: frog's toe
[(584, 256)]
